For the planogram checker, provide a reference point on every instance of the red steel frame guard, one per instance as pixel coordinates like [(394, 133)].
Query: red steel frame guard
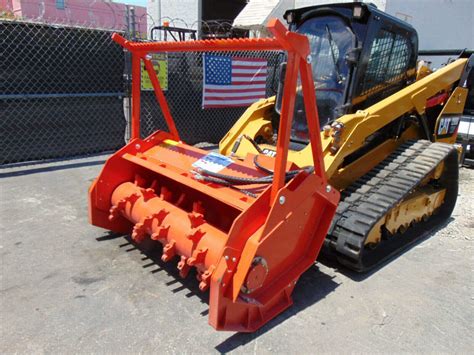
[(299, 59)]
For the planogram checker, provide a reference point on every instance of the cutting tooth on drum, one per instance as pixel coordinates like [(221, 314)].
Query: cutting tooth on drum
[(198, 257), (139, 233), (165, 193), (161, 233), (183, 267), (169, 251), (206, 278)]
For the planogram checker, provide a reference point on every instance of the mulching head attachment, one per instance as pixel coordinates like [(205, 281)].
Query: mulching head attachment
[(248, 234)]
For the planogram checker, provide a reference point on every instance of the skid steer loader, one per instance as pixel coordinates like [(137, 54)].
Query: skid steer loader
[(248, 224), (386, 128)]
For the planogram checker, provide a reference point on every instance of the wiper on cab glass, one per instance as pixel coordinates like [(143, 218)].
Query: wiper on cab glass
[(333, 55)]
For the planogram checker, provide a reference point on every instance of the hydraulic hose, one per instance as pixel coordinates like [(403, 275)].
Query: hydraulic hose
[(260, 167), (236, 180), (230, 181), (215, 180)]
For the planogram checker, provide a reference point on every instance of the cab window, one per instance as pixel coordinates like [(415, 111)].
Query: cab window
[(388, 62)]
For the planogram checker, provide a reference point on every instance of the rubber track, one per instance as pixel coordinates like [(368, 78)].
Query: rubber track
[(373, 195)]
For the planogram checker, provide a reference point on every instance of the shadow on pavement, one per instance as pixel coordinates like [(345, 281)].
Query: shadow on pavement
[(315, 285), (152, 252), (361, 276), (45, 169), (312, 286)]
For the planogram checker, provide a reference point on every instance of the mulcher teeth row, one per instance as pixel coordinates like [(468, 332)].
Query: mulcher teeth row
[(153, 227)]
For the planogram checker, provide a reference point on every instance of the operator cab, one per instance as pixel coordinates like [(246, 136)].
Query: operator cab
[(360, 55)]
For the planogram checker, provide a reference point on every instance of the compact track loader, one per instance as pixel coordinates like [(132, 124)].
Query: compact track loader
[(387, 127), (250, 221)]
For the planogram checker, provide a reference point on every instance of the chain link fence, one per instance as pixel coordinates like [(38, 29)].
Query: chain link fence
[(61, 92), (64, 92)]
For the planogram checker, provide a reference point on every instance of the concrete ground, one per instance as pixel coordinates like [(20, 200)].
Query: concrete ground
[(68, 287)]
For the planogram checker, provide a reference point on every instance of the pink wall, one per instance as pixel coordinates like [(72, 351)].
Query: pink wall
[(5, 5), (89, 13)]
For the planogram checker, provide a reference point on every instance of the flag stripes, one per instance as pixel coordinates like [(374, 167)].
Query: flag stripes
[(233, 81)]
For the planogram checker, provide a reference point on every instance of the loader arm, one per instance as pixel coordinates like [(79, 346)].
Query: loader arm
[(349, 133), (340, 141)]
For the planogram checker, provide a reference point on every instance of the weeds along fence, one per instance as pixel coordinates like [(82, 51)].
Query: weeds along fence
[(64, 92)]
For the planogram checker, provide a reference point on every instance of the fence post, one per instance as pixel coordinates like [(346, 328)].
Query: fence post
[(136, 92), (133, 23), (127, 79)]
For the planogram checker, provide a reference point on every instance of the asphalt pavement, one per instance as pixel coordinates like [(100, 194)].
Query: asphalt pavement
[(69, 287)]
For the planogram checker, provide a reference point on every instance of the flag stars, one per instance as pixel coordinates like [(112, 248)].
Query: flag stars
[(218, 70)]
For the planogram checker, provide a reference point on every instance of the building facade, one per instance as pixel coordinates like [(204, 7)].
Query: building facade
[(87, 13)]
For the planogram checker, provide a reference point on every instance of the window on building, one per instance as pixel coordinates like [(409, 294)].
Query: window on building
[(60, 4)]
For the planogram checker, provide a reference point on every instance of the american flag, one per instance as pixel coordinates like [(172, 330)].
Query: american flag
[(233, 81)]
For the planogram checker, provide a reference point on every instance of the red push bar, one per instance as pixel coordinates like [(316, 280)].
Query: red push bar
[(243, 44)]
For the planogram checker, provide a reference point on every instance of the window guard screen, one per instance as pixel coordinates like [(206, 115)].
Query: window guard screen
[(388, 62)]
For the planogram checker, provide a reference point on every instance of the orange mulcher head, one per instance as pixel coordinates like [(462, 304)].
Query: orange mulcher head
[(249, 234)]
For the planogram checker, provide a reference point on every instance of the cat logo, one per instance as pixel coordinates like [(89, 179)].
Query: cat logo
[(447, 126), (270, 153)]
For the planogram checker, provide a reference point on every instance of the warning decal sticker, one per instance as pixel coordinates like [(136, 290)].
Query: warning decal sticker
[(213, 162)]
